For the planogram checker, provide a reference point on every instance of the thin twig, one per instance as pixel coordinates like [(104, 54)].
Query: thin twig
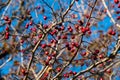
[(70, 6), (112, 55), (68, 63), (31, 59), (6, 62), (109, 14), (33, 71), (6, 9)]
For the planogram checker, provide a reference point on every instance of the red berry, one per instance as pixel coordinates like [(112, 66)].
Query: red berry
[(62, 28), (113, 33), (72, 50), (22, 41), (101, 65), (54, 54), (69, 27), (46, 52), (80, 22), (108, 71), (35, 42), (31, 23), (58, 69), (33, 29), (49, 45), (9, 22), (118, 5), (53, 32), (55, 41), (40, 36), (6, 37), (112, 6), (45, 26), (45, 18), (71, 72), (110, 31), (94, 57), (64, 36), (83, 54), (76, 44), (7, 28), (117, 12), (93, 71), (74, 73), (59, 37), (6, 18), (97, 51), (46, 62), (76, 61), (52, 40), (69, 48), (7, 33), (71, 30), (83, 30), (89, 32), (118, 18), (101, 56), (49, 57), (87, 16), (23, 71), (73, 43), (88, 24), (66, 75), (27, 25), (45, 75), (43, 45), (116, 1), (73, 37), (67, 44), (87, 28), (77, 27), (101, 78)]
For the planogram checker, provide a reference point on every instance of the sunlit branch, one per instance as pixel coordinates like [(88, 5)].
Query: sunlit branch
[(33, 52), (112, 55), (6, 9), (9, 59), (109, 14)]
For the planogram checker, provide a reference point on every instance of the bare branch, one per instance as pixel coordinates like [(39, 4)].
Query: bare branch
[(10, 58), (109, 14)]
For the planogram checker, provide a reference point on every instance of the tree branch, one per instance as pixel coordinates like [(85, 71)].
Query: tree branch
[(109, 14), (113, 54), (6, 62), (33, 52)]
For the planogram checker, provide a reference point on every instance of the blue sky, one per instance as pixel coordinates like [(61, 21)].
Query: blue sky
[(105, 22)]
